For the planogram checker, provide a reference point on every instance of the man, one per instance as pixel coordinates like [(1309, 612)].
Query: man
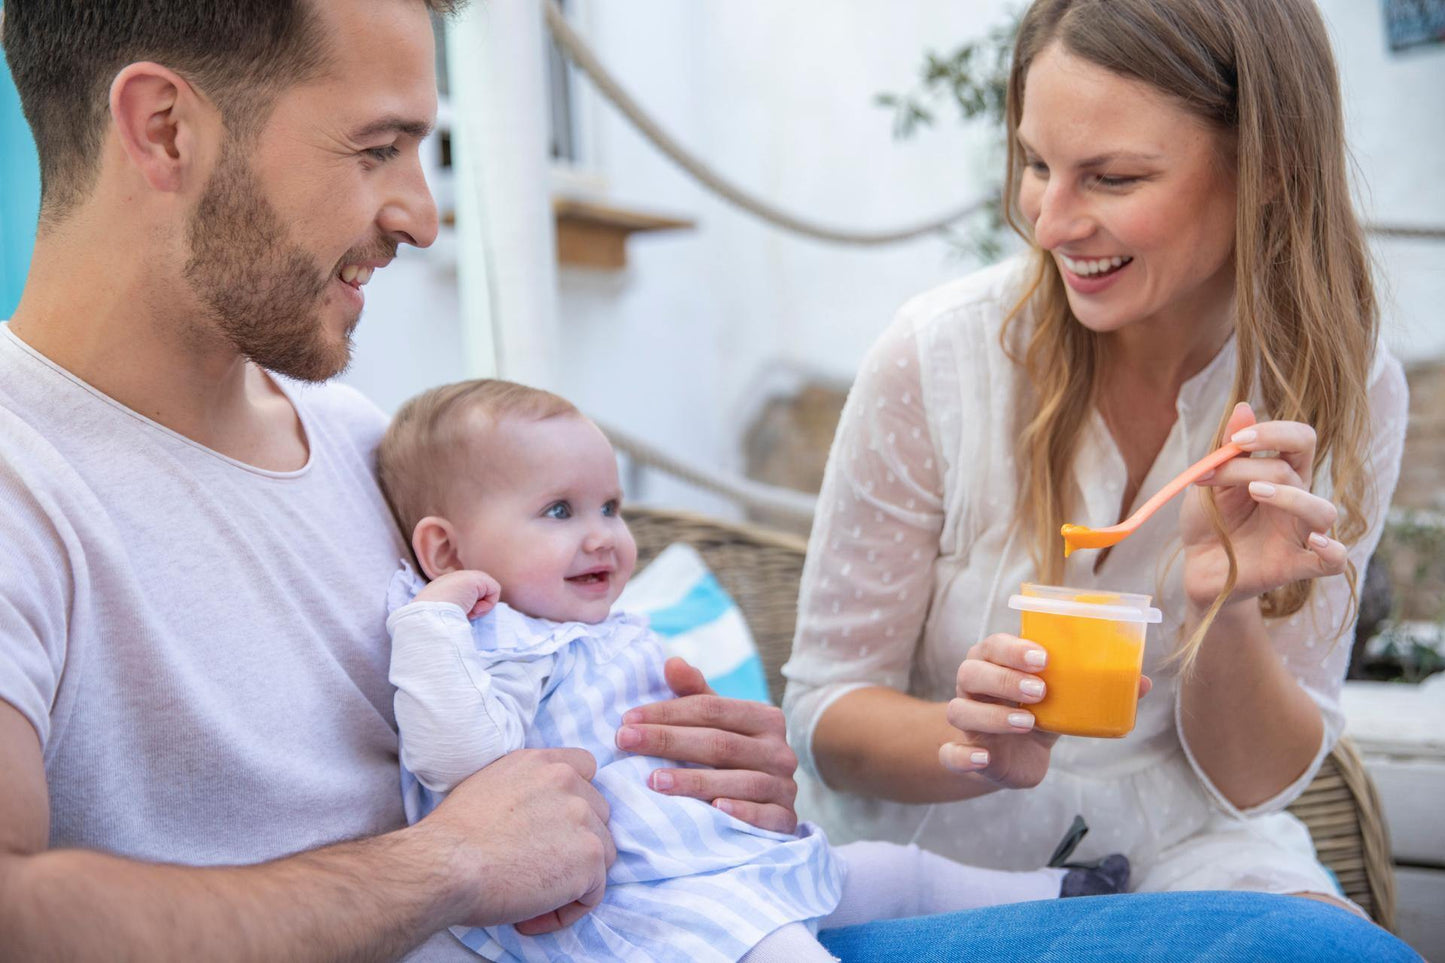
[(192, 647), (197, 751)]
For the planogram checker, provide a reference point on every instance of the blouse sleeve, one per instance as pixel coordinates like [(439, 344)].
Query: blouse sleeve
[(867, 581), (1314, 643)]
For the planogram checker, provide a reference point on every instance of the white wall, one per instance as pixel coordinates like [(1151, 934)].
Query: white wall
[(778, 97), (1395, 116)]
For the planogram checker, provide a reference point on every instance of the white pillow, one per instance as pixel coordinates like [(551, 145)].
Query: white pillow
[(698, 621)]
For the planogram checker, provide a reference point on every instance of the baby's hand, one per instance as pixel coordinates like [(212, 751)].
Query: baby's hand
[(475, 593)]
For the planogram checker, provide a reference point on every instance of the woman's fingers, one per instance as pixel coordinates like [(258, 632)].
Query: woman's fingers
[(1314, 513), (1332, 554), (998, 674), (979, 678), (1238, 472), (970, 715), (1010, 651), (1240, 418), (1295, 443), (961, 757)]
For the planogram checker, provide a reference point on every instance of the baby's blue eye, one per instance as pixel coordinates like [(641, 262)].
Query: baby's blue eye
[(558, 510), (610, 509)]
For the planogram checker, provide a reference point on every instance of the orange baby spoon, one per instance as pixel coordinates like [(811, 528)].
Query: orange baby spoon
[(1078, 536)]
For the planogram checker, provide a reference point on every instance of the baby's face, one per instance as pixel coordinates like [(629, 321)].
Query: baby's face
[(549, 526)]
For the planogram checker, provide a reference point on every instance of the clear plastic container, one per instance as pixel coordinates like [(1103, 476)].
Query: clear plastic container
[(1095, 641)]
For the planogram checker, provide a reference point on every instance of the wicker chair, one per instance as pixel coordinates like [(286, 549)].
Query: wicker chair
[(761, 569)]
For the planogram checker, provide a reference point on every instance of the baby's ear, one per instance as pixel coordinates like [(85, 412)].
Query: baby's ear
[(435, 544)]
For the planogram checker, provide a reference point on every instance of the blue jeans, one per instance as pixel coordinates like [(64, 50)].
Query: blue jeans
[(1225, 926)]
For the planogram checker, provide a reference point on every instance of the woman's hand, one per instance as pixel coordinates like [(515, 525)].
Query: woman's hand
[(1278, 529), (996, 684), (750, 767)]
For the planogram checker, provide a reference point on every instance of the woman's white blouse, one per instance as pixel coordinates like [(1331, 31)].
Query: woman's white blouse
[(914, 553)]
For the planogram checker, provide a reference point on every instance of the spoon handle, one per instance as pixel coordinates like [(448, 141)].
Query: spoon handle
[(1184, 479)]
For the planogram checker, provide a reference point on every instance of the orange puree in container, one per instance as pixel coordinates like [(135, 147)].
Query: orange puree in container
[(1092, 677)]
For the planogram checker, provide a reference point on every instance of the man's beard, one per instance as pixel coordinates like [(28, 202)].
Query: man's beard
[(263, 292)]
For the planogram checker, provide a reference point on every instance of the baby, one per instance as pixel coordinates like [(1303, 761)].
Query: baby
[(507, 640)]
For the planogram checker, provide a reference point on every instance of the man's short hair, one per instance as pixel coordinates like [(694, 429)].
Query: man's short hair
[(64, 54), (431, 443)]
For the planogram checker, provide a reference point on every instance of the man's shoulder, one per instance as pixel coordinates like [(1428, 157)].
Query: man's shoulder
[(335, 401), (338, 411)]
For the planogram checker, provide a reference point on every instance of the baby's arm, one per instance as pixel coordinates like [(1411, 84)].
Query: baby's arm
[(456, 713)]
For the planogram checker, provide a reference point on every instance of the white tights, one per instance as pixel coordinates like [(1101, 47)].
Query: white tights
[(884, 881)]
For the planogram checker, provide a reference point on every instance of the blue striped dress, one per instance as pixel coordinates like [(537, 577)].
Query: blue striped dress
[(690, 882)]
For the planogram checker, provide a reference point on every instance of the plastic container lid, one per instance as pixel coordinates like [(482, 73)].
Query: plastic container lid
[(1112, 606)]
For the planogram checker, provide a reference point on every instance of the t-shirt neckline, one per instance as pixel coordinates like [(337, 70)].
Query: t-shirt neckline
[(280, 383)]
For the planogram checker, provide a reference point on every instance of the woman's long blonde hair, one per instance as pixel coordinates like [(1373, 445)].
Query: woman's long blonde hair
[(1261, 72)]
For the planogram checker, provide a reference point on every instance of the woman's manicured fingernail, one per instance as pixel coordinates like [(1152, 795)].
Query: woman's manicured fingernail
[(1318, 540), (725, 805), (978, 758), (1261, 489), (1032, 687), (1244, 437), (1021, 720), (1037, 658), (631, 717), (1204, 477), (662, 781), (628, 738)]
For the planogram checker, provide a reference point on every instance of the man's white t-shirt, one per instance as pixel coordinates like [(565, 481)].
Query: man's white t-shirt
[(199, 644)]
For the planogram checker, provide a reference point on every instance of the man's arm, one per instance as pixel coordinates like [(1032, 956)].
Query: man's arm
[(521, 838)]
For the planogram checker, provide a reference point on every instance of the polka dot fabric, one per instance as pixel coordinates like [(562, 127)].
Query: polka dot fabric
[(913, 556)]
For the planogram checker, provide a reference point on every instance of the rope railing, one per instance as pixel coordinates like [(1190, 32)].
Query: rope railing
[(577, 50), (1409, 231), (580, 54), (777, 502)]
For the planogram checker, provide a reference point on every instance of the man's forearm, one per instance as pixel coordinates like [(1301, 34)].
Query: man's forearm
[(370, 899)]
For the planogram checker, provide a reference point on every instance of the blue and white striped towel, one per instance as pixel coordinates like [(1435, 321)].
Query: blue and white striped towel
[(697, 620)]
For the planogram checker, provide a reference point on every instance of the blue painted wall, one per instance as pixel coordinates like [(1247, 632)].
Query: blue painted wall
[(19, 194)]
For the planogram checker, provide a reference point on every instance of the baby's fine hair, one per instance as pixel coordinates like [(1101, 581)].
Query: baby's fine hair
[(428, 445)]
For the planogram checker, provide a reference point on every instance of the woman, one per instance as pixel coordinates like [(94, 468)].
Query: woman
[(1178, 167)]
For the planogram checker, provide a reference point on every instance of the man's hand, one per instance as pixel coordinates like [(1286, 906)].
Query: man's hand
[(525, 839), (751, 768), (475, 593)]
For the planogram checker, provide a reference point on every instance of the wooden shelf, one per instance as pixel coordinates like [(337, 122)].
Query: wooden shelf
[(595, 235)]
